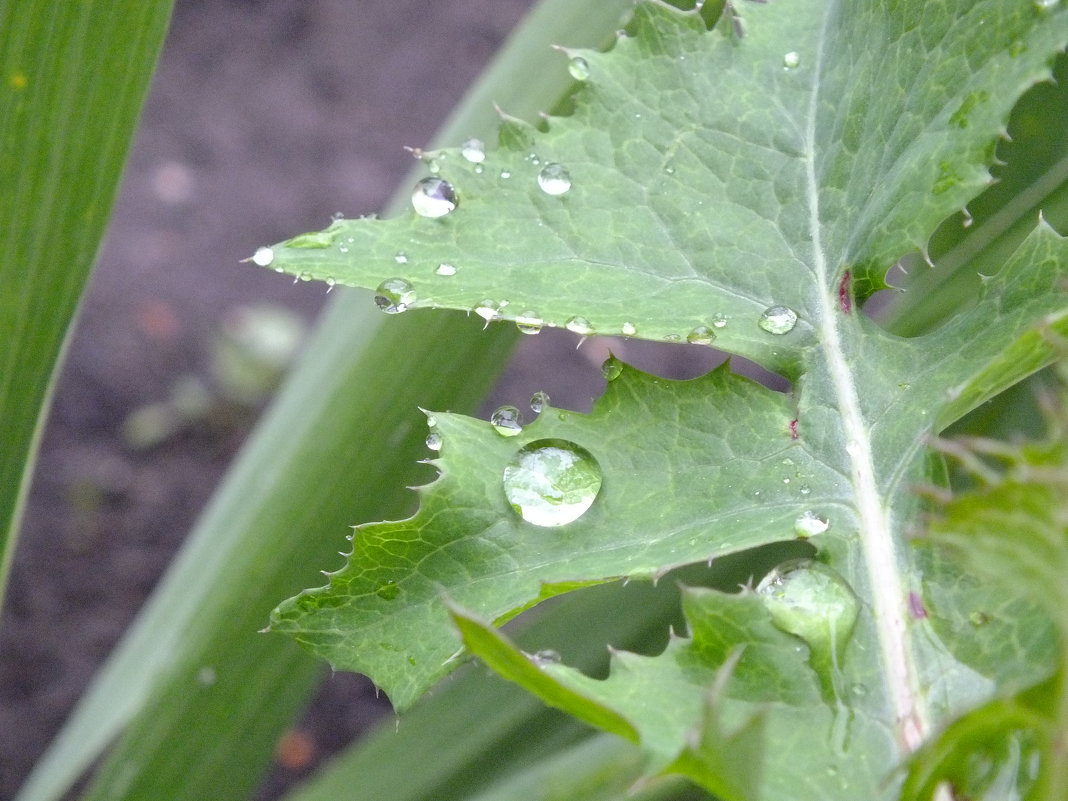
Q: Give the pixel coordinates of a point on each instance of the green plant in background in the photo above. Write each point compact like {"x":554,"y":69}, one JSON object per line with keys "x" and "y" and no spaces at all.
{"x":744,"y":182}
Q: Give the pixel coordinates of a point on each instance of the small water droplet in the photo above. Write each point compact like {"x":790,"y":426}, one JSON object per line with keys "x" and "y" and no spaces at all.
{"x":579,"y":68}
{"x":580,"y":326}
{"x":702,"y":335}
{"x":611,"y":370}
{"x":474,"y":150}
{"x":431,"y":421}
{"x":778,"y":320}
{"x":538,"y":402}
{"x":719,"y":321}
{"x":434,"y":197}
{"x":809,"y":524}
{"x":388,"y":591}
{"x":628,"y":329}
{"x":546,"y":656}
{"x":394,"y":295}
{"x":445,"y":269}
{"x":487,"y":310}
{"x":534,"y":159}
{"x":529,"y":322}
{"x":506,"y":174}
{"x":791,"y":60}
{"x":805,"y":489}
{"x":554,"y":179}
{"x":401,"y":257}
{"x":262,"y":257}
{"x":433,"y":441}
{"x":552,"y":482}
{"x":507,"y":421}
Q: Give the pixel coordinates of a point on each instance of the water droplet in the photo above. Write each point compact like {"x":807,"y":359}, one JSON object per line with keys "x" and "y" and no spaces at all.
{"x":628,"y":329}
{"x":579,"y":68}
{"x":538,"y":402}
{"x":546,"y":656}
{"x":611,"y":370}
{"x":672,"y":338}
{"x":809,"y":524}
{"x":388,"y":591}
{"x":1046,"y":5}
{"x":431,"y":421}
{"x":580,"y":326}
{"x":719,"y":321}
{"x":445,"y":269}
{"x":778,"y":320}
{"x":529,"y":322}
{"x":810,"y":600}
{"x":434,"y":197}
{"x":552,"y":482}
{"x":474,"y":150}
{"x":262,"y":257}
{"x":433,"y":441}
{"x":506,"y":174}
{"x":534,"y":159}
{"x":791,"y":60}
{"x":487,"y":310}
{"x":401,"y":257}
{"x":702,"y":335}
{"x":554,"y":179}
{"x":394,"y":295}
{"x":507,"y":421}
{"x":805,"y":489}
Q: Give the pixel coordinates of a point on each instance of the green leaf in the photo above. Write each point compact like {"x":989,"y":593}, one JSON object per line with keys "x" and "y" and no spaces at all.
{"x":72,"y":80}
{"x":1010,"y":531}
{"x":772,"y":179}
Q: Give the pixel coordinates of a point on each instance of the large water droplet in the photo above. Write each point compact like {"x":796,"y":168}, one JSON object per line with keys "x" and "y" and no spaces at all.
{"x":809,"y":524}
{"x":611,"y":370}
{"x":791,"y":60}
{"x":538,"y":402}
{"x":445,"y":269}
{"x":434,"y":197}
{"x":507,"y":421}
{"x":702,"y":335}
{"x":580,"y":326}
{"x":474,"y":150}
{"x":810,"y":600}
{"x":778,"y":320}
{"x":433,"y":441}
{"x":552,"y":482}
{"x":262,"y":257}
{"x":554,"y":179}
{"x":394,"y":295}
{"x":579,"y":68}
{"x":529,"y":322}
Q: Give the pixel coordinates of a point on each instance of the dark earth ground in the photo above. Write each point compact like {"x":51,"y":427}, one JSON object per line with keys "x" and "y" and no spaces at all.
{"x":266,"y":116}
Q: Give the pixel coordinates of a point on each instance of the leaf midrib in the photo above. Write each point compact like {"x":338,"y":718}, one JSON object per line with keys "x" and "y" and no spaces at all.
{"x":882,"y":559}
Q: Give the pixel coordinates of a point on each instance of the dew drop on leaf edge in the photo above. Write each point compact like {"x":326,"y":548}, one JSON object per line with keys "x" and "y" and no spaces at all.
{"x":394,"y":295}
{"x":778,"y":320}
{"x":809,"y":524}
{"x":702,"y":335}
{"x":554,"y":179}
{"x":434,"y":197}
{"x":611,"y":370}
{"x":262,"y":257}
{"x":433,"y":441}
{"x":580,"y":326}
{"x":473,"y":150}
{"x":507,"y":421}
{"x":552,"y":482}
{"x":579,"y":68}
{"x":528,"y":322}
{"x":538,"y":401}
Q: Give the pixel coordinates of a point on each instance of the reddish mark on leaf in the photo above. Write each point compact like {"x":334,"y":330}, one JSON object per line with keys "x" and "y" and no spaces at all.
{"x":845,"y":293}
{"x":916,"y":607}
{"x":793,"y":428}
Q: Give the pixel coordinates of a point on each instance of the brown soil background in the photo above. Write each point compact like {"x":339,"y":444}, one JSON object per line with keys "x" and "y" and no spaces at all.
{"x":265,"y":117}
